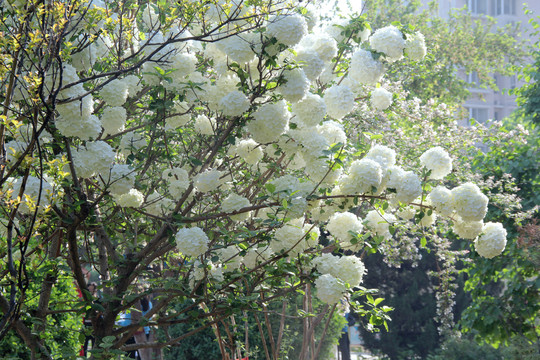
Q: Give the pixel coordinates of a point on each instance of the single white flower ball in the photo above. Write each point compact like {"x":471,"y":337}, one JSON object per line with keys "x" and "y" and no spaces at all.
{"x":287,"y":29}
{"x":492,"y":241}
{"x":208,"y":181}
{"x":234,"y":103}
{"x":469,"y":202}
{"x":442,"y":200}
{"x":134,"y":198}
{"x":415,"y":46}
{"x":235,"y":202}
{"x":329,"y":289}
{"x":192,"y":241}
{"x":341,"y":224}
{"x":438,"y":161}
{"x":339,"y":100}
{"x":389,"y":41}
{"x":270,"y":121}
{"x":468,"y":229}
{"x":381,"y":99}
{"x":364,"y":68}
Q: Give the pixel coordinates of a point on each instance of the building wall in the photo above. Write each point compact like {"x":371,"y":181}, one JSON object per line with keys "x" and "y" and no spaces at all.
{"x":484,"y":104}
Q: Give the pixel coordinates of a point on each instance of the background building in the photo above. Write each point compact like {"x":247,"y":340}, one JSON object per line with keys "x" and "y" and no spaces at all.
{"x":484,"y":104}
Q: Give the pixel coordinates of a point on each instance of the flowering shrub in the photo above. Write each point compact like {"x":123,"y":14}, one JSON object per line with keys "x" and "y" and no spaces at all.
{"x":213,"y":141}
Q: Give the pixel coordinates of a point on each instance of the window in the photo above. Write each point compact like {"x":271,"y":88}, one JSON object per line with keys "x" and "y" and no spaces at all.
{"x":503,"y":7}
{"x":513,"y":81}
{"x":478,"y":6}
{"x":478,"y":114}
{"x":473,"y":79}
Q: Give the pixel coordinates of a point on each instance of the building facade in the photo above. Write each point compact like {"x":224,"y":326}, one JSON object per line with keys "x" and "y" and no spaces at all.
{"x":486,"y":104}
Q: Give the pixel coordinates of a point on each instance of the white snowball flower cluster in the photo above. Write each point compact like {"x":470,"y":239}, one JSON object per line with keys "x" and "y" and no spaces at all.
{"x":380,"y":223}
{"x":407,"y":212}
{"x":311,"y":63}
{"x":296,"y":85}
{"x":270,"y":121}
{"x":238,"y":48}
{"x":286,"y":183}
{"x":442,"y":200}
{"x":287,"y":29}
{"x":409,"y":187}
{"x":234,"y":103}
{"x":132,"y":143}
{"x":333,"y":132}
{"x":389,"y":41}
{"x":178,"y":180}
{"x":204,"y":125}
{"x":383,"y":155}
{"x":150,"y":19}
{"x":295,"y":237}
{"x":133,"y":84}
{"x":364,"y":175}
{"x":29,"y":198}
{"x":192,"y":241}
{"x":208,"y":181}
{"x":256,"y":256}
{"x":121,"y":179}
{"x":96,"y":158}
{"x":339,"y":100}
{"x":429,"y":217}
{"x":469,"y":202}
{"x":115,"y":93}
{"x":86,"y":57}
{"x":438,"y":161}
{"x":492,"y":241}
{"x":324,"y":45}
{"x":468,"y":229}
{"x":381,"y":99}
{"x":329,"y":289}
{"x":341,"y":224}
{"x":113,"y":120}
{"x":134,"y":198}
{"x":235,"y":202}
{"x":415,"y":46}
{"x":213,"y":94}
{"x":364,"y":68}
{"x":229,"y":256}
{"x":158,"y":205}
{"x":336,"y":31}
{"x":393,"y":176}
{"x":184,"y":65}
{"x":249,"y":151}
{"x":311,"y":110}
{"x":312,"y":142}
{"x":149,"y":74}
{"x":349,"y":269}
{"x":181,"y":119}
{"x":83,"y":128}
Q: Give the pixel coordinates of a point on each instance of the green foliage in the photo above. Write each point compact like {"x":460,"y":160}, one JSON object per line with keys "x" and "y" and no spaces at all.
{"x":465,"y":349}
{"x":529,"y":94}
{"x":63,"y":328}
{"x":457,"y":42}
{"x":506,"y":290}
{"x":410,"y":290}
{"x":204,"y":345}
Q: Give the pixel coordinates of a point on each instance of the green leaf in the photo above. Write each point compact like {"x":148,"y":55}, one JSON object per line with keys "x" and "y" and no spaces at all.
{"x":270,"y":187}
